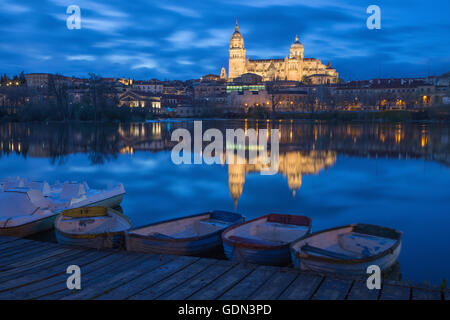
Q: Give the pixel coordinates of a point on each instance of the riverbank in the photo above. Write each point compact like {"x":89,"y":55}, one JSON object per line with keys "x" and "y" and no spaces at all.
{"x":439,"y":114}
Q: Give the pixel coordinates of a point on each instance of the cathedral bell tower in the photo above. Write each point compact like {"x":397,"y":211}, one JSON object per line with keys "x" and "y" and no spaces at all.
{"x":237,"y":55}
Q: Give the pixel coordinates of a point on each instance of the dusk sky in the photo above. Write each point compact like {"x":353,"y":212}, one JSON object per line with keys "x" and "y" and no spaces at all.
{"x":187,"y":39}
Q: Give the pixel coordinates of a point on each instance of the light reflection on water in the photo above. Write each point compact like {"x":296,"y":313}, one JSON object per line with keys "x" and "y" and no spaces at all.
{"x":396,"y":175}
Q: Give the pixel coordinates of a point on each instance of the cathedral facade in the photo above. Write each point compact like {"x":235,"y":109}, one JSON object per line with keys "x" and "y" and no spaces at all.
{"x":295,"y":67}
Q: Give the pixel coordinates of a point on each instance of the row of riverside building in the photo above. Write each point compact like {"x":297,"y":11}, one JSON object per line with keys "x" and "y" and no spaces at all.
{"x":213,"y":95}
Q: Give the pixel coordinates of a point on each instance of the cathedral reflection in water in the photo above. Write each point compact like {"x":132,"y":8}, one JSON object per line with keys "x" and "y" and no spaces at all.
{"x":306,"y":148}
{"x":293,"y":165}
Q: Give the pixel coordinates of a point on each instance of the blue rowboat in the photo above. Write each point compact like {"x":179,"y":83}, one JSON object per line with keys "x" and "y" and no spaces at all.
{"x":347,"y":250}
{"x":265,"y":240}
{"x":195,"y":235}
{"x":95,"y":227}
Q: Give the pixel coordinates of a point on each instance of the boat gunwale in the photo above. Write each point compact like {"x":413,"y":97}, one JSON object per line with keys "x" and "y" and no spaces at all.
{"x":131,"y":234}
{"x":299,"y":255}
{"x":241,"y":244}
{"x":92,"y":235}
{"x":26,"y":224}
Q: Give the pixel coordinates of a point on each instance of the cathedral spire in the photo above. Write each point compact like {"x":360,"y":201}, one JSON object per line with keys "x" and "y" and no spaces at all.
{"x":296,"y":39}
{"x":237,"y":26}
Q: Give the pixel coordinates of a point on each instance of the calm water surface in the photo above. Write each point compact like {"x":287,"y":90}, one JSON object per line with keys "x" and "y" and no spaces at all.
{"x":395,"y":175}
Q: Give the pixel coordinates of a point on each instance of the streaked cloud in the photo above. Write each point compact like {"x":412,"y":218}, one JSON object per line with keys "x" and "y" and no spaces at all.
{"x":11,"y":7}
{"x":184,"y":11}
{"x":171,"y":39}
{"x":81,"y":58}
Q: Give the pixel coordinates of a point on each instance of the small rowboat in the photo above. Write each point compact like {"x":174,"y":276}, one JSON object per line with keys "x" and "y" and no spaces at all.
{"x":347,"y":250}
{"x":196,"y":235}
{"x":95,"y":227}
{"x":265,"y":240}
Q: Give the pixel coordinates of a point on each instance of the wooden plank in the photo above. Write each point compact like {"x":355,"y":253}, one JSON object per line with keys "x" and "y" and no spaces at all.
{"x":18,"y":246}
{"x":176,"y":279}
{"x":275,"y":286}
{"x":26,"y":250}
{"x":447,"y":294}
{"x":5,"y":239}
{"x":424,"y":294}
{"x":148,"y":279}
{"x":14,"y":244}
{"x":43,"y":265}
{"x":58,"y":282}
{"x":31,"y":259}
{"x":117,"y":279}
{"x":302,"y":288}
{"x":20,"y":257}
{"x":222,"y":284}
{"x":125,"y":262}
{"x":392,"y":292}
{"x":45,"y":270}
{"x":333,"y":289}
{"x":188,"y":288}
{"x":35,"y":289}
{"x":39,"y":265}
{"x":249,"y":284}
{"x":359,"y":291}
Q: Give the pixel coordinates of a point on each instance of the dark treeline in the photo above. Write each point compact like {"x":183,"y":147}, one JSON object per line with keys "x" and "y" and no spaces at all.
{"x":58,"y":102}
{"x":16,"y":80}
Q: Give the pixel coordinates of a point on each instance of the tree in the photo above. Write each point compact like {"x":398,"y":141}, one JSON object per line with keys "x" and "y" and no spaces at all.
{"x":59,"y":90}
{"x":274,"y":94}
{"x":22,"y":79}
{"x":4,"y":80}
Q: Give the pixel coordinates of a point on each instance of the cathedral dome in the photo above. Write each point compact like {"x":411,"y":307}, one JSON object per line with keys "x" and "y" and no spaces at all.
{"x":237,"y":36}
{"x":297,"y":50}
{"x":297,"y":43}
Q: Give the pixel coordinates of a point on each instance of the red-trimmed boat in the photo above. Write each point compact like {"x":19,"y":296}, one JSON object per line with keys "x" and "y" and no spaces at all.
{"x":265,"y":240}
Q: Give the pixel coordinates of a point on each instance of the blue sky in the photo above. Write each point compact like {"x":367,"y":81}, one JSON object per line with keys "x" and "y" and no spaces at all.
{"x":187,"y":39}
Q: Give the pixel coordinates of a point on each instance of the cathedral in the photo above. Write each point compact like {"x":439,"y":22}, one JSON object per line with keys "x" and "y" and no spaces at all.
{"x":295,"y":67}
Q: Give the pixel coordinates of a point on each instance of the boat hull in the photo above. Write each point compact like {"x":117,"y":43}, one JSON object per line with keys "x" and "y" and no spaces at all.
{"x":183,"y":248}
{"x":30,"y":228}
{"x":258,"y":251}
{"x":112,"y":202}
{"x":115,"y":241}
{"x":47,"y":223}
{"x":273,"y":257}
{"x":202,"y":245}
{"x":110,"y":237}
{"x":354,"y":266}
{"x":351,"y":268}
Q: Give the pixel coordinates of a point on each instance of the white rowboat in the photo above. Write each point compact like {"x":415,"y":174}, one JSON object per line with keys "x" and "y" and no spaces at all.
{"x":95,"y":227}
{"x":347,"y":250}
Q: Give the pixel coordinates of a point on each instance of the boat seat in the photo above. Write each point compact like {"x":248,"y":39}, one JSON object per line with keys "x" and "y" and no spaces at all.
{"x":278,"y":232}
{"x":253,"y":241}
{"x":364,"y":244}
{"x":307,"y":248}
{"x":160,"y":236}
{"x":72,"y":191}
{"x":202,"y":227}
{"x":219,"y":223}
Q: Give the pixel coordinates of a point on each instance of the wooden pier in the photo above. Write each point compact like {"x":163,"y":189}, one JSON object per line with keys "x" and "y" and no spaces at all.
{"x":37,"y":270}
